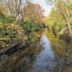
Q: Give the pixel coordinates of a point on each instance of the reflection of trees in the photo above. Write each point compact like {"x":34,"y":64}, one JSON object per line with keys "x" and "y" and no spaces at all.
{"x":63,"y":65}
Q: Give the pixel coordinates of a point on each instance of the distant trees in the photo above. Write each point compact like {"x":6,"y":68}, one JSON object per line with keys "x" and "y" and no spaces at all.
{"x":60,"y":19}
{"x":34,"y":12}
{"x":10,"y":11}
{"x":33,"y":18}
{"x":21,"y":21}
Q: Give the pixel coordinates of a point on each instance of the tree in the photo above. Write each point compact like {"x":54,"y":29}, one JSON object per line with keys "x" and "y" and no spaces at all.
{"x":60,"y":22}
{"x":55,"y":22}
{"x":33,"y":19}
{"x":33,"y":12}
{"x":63,"y":12}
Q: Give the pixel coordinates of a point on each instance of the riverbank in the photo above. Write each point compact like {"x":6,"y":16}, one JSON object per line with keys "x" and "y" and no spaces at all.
{"x":14,"y":61}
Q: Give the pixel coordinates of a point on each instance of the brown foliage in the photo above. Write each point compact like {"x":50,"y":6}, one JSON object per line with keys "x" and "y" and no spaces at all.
{"x":34,"y":12}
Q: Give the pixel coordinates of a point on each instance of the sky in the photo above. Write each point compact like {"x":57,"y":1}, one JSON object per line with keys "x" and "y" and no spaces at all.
{"x":44,"y":5}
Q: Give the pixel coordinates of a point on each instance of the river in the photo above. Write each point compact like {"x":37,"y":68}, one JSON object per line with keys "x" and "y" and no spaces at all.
{"x":45,"y":60}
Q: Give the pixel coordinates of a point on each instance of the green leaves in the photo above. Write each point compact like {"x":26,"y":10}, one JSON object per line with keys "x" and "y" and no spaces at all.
{"x":6,"y":19}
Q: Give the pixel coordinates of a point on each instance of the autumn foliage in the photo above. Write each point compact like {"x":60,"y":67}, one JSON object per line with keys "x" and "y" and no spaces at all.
{"x":34,"y":12}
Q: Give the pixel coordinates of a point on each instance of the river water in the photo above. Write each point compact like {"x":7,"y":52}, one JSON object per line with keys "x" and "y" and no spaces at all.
{"x":45,"y":60}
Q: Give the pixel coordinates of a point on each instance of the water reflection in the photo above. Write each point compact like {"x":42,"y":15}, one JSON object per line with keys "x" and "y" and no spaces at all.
{"x":46,"y":59}
{"x":42,"y":62}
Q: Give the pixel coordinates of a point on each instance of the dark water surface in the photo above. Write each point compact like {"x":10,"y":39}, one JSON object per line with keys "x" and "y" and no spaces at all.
{"x":45,"y":60}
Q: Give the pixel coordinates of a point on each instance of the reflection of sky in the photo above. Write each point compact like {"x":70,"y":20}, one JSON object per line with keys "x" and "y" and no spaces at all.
{"x":44,"y":5}
{"x":45,"y":59}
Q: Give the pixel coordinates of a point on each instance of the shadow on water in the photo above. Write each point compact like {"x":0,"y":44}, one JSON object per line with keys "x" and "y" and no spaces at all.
{"x":45,"y":60}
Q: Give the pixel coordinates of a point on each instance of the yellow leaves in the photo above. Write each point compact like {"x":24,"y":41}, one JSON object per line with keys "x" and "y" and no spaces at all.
{"x":49,"y":21}
{"x":18,"y":29}
{"x":26,"y":18}
{"x":1,"y":25}
{"x":36,"y":34}
{"x":4,"y":9}
{"x":15,"y":27}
